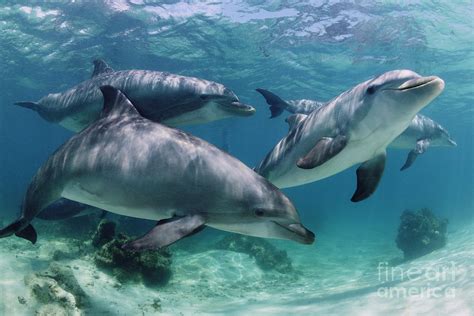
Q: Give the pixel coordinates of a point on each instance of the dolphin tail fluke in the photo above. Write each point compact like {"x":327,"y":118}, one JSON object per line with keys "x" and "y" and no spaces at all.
{"x":29,"y":105}
{"x":277,"y":104}
{"x":275,"y":111}
{"x":19,"y":229}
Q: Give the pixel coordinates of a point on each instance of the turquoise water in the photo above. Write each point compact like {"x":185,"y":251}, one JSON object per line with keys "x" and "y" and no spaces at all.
{"x":311,"y":49}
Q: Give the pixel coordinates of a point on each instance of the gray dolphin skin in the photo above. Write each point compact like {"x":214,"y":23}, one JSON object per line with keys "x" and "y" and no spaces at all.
{"x":355,"y":127}
{"x":421,"y":133}
{"x":129,"y":165}
{"x":163,"y":97}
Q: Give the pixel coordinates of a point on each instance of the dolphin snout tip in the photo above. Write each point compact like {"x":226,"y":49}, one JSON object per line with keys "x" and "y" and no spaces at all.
{"x":244,"y":109}
{"x":436,"y":82}
{"x":452,"y":142}
{"x":439,"y":82}
{"x":306,"y":236}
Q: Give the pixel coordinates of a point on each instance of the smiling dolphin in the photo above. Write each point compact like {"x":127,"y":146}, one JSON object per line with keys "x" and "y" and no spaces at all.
{"x":159,"y":96}
{"x":129,"y":165}
{"x":418,"y":136}
{"x":355,"y":127}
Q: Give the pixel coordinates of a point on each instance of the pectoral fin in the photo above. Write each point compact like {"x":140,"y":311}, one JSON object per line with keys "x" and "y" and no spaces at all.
{"x":325,"y":149}
{"x":368,"y":177}
{"x":63,"y":209}
{"x":420,"y":147}
{"x":167,"y":232}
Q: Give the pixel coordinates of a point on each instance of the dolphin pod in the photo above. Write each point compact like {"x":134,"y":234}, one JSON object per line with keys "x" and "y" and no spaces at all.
{"x":162,"y":97}
{"x":355,"y":127}
{"x":179,"y":180}
{"x":127,"y":158}
{"x":418,"y":136}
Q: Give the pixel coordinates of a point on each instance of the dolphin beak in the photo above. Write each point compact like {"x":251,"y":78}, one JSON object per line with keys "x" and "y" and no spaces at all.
{"x":299,"y":233}
{"x":452,"y":142}
{"x":420,"y":82}
{"x":241,"y":108}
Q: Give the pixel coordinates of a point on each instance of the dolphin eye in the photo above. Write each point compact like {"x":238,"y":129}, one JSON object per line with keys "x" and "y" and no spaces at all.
{"x":371,"y":90}
{"x":259,"y":212}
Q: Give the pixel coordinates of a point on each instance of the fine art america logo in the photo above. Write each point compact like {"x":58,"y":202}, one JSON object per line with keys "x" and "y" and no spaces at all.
{"x":434,"y":281}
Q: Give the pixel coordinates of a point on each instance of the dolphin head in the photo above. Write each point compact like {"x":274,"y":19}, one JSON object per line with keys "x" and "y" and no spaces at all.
{"x":277,"y":217}
{"x":391,"y":100}
{"x":266,"y":212}
{"x":227,"y":104}
{"x":402,"y":91}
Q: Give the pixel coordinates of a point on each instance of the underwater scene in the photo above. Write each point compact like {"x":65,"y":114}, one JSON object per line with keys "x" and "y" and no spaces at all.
{"x":237,"y":157}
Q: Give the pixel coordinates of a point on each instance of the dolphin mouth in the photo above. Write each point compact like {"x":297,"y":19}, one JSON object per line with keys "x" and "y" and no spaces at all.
{"x":452,"y":142}
{"x":418,"y":83}
{"x":240,"y":108}
{"x":299,"y":233}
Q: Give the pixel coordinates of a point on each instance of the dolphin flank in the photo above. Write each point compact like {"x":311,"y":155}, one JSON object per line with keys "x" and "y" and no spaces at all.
{"x":355,"y":127}
{"x":170,"y":99}
{"x":126,"y":164}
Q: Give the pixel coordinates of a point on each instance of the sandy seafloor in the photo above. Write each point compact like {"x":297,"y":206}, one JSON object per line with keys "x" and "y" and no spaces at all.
{"x":344,"y":273}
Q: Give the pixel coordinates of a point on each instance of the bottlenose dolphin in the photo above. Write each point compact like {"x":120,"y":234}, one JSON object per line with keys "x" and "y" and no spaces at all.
{"x":418,"y":136}
{"x":355,"y":127}
{"x":158,"y":96}
{"x":129,"y":165}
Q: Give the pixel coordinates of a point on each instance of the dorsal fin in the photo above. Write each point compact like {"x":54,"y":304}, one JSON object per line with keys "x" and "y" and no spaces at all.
{"x":116,"y":103}
{"x":294,"y":120}
{"x":100,"y":67}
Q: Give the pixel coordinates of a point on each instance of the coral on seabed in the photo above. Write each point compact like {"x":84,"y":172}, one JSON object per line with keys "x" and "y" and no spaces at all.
{"x":152,"y":267}
{"x":57,"y":290}
{"x":420,"y":232}
{"x":105,"y":232}
{"x":267,"y":256}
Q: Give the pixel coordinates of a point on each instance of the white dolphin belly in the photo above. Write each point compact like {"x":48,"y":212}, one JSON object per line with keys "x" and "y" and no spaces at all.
{"x":112,"y":200}
{"x":355,"y":152}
